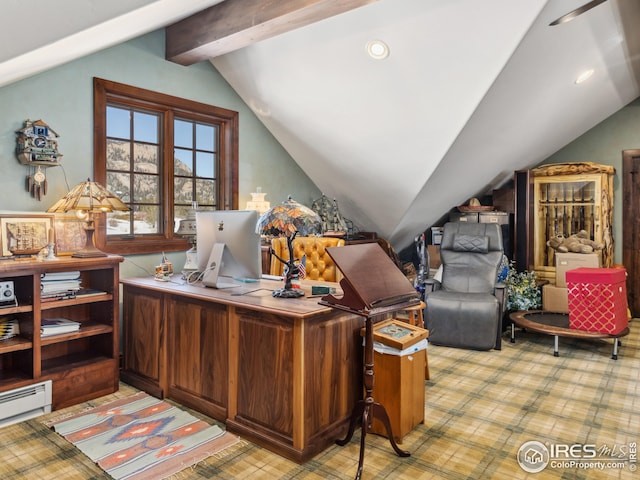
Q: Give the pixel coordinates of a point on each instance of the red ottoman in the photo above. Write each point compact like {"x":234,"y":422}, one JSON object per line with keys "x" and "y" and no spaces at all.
{"x":597,"y":299}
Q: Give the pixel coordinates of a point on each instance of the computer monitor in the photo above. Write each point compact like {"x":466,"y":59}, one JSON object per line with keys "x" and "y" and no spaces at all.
{"x":240,"y":259}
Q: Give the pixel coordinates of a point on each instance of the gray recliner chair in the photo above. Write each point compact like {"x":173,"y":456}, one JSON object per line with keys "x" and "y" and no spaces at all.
{"x":465,"y":309}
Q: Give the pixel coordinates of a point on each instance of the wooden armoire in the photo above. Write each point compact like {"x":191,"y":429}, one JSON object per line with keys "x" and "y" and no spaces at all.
{"x":561,"y":199}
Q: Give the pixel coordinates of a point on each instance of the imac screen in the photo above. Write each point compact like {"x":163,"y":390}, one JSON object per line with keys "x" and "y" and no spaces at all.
{"x":236,"y":229}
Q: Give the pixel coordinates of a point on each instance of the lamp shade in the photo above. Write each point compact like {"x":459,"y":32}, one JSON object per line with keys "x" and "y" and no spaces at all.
{"x":89,"y":197}
{"x":289,"y":217}
{"x":187,"y":226}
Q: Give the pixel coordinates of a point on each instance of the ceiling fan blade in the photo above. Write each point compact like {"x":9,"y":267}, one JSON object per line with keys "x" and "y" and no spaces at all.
{"x":578,"y":11}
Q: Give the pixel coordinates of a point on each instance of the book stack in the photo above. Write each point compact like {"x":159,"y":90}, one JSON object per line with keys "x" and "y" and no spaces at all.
{"x":59,"y":285}
{"x":56,"y":326}
{"x":9,"y":328}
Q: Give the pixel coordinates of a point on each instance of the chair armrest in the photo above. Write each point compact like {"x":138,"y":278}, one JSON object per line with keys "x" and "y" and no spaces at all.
{"x":431,"y":285}
{"x":500,"y":291}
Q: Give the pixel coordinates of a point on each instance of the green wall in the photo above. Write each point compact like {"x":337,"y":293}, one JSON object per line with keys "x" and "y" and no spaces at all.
{"x":604,"y":144}
{"x":63,"y":98}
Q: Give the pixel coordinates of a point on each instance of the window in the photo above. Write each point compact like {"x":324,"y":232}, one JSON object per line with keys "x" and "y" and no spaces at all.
{"x":160,"y":154}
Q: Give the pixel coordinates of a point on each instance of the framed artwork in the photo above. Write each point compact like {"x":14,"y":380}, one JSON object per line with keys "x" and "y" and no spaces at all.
{"x":70,"y":234}
{"x":398,"y":334}
{"x":25,"y":233}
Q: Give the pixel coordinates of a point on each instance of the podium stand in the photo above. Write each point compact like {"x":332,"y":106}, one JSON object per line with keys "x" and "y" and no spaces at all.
{"x":373,"y":286}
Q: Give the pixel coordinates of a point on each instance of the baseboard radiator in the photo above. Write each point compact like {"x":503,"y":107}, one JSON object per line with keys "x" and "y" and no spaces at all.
{"x":25,"y":403}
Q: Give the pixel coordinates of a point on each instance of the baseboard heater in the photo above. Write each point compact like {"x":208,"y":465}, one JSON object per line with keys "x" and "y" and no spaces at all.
{"x":25,"y":403}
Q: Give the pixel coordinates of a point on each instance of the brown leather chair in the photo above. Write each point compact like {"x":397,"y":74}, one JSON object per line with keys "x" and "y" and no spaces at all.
{"x":319,"y":266}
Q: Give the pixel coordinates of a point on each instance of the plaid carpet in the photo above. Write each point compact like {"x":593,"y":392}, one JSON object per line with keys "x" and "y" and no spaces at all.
{"x":481,"y":407}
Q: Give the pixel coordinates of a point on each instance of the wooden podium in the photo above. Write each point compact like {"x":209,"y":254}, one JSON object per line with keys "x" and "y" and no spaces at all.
{"x":373,"y":286}
{"x":400,"y":378}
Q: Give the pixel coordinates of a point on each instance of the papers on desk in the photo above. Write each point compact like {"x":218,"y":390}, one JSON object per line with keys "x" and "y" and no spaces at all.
{"x":266,"y":276}
{"x":56,"y":326}
{"x":60,"y":286}
{"x":53,"y":276}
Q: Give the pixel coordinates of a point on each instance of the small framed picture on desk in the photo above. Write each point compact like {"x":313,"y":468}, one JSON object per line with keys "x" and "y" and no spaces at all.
{"x":70,"y":234}
{"x":398,"y":334}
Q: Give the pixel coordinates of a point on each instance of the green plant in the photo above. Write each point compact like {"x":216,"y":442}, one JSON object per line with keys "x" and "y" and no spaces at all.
{"x":523,"y":291}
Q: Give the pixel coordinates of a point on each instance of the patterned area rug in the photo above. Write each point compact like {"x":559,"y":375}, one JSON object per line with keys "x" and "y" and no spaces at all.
{"x":143,"y":438}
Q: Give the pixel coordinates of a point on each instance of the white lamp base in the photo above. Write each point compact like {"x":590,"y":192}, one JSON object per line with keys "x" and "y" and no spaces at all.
{"x":191,"y":262}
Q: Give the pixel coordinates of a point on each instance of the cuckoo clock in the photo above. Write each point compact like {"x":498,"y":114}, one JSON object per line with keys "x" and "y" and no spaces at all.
{"x":37,"y":149}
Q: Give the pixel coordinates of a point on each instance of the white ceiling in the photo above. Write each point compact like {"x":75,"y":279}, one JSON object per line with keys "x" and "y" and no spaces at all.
{"x":42,"y":34}
{"x":470,"y":92}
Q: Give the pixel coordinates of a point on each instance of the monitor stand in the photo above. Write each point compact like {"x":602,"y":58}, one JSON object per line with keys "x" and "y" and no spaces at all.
{"x":211,"y":276}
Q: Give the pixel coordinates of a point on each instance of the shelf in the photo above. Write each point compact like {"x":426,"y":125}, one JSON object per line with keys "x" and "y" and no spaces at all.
{"x":14,"y":379}
{"x":15,"y":344}
{"x":566,"y":204}
{"x":88,"y":329}
{"x":71,"y":362}
{"x":80,"y":300}
{"x":19,"y":309}
{"x":82,"y":364}
{"x":42,"y":163}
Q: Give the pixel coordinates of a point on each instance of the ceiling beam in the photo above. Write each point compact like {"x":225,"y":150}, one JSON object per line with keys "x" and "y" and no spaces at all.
{"x":233,"y":24}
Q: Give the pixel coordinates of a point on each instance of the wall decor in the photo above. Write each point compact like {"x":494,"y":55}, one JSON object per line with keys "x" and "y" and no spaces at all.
{"x":70,"y":234}
{"x":37,"y":148}
{"x":25,"y":234}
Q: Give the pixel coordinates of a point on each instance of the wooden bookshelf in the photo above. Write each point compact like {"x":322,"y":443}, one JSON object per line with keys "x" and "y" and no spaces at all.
{"x":81,"y":364}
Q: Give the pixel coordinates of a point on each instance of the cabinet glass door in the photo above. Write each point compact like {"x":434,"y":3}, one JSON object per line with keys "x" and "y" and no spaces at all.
{"x":564,"y":207}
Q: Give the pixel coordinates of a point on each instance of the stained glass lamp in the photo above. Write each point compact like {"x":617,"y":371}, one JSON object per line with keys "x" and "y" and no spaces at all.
{"x":290,"y":218}
{"x":88,"y":198}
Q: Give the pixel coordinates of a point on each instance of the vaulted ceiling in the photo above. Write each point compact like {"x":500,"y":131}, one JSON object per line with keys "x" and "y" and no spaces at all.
{"x":469,"y":92}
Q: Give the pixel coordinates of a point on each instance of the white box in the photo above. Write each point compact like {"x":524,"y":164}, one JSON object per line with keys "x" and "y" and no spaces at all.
{"x":436,"y":235}
{"x":571,"y":261}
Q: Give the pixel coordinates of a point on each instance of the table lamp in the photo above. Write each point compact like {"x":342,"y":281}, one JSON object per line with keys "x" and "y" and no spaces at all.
{"x":258,"y":202}
{"x":88,"y":198}
{"x":290,"y":218}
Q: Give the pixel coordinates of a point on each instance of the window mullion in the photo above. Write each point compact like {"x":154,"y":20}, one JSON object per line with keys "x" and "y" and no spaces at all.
{"x":132,"y":193}
{"x":167,"y":173}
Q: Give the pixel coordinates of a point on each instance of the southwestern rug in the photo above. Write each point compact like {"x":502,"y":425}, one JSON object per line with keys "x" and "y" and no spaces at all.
{"x":143,"y":438}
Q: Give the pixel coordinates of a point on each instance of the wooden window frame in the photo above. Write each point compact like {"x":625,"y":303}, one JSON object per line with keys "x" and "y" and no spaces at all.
{"x":106,"y":91}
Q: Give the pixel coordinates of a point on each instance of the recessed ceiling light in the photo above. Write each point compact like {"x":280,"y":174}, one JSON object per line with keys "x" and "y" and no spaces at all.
{"x":584,"y":76}
{"x":377,"y":49}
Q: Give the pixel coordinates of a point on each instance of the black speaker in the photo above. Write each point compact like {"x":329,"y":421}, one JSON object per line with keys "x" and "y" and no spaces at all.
{"x":521,"y":231}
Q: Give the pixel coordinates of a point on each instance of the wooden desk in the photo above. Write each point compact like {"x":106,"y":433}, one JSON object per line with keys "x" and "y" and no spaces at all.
{"x":283,"y":373}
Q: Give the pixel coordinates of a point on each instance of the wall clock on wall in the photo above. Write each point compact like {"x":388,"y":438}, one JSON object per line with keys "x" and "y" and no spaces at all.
{"x":37,"y":148}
